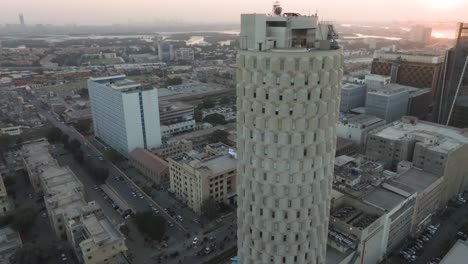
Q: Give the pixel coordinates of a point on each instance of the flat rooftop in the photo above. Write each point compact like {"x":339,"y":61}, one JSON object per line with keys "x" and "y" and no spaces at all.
{"x":101,"y":230}
{"x":457,"y":254}
{"x":417,"y":179}
{"x":392,"y":89}
{"x":449,"y":138}
{"x":383,"y":198}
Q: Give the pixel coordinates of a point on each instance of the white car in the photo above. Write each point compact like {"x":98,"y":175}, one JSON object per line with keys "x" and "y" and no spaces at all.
{"x":195,"y":241}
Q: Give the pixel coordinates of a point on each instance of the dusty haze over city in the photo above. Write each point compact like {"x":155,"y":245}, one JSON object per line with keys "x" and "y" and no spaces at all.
{"x":104,"y":12}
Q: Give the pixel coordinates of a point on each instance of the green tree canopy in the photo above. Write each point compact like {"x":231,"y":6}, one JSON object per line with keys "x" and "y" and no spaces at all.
{"x":210,"y":209}
{"x":215,"y":119}
{"x":23,"y":219}
{"x":54,"y":135}
{"x":174,"y":81}
{"x":219,"y":136}
{"x":154,"y":226}
{"x":100,"y":175}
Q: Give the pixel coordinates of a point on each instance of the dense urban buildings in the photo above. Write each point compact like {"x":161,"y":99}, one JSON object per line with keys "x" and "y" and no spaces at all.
{"x":416,"y":70}
{"x":125,"y":114}
{"x":289,"y":71}
{"x":431,"y":147}
{"x":93,"y":237}
{"x":453,"y":95}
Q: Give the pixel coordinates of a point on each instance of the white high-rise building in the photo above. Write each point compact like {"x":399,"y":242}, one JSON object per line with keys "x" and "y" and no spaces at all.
{"x":125,"y":114}
{"x":289,"y":71}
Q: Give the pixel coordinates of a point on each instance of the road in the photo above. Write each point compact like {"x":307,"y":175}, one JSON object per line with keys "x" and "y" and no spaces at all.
{"x":179,"y":241}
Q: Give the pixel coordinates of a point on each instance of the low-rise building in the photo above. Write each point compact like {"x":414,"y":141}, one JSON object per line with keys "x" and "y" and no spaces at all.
{"x":198,"y":176}
{"x":428,"y":188}
{"x":352,"y":96}
{"x":431,"y":147}
{"x":6,"y":204}
{"x":357,"y":127}
{"x":457,"y":254}
{"x":151,"y":166}
{"x":172,"y":149}
{"x":71,"y":217}
{"x":10,"y":241}
{"x":97,"y":240}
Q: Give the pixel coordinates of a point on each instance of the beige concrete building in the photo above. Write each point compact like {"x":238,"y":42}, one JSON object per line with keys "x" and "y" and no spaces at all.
{"x":289,"y":71}
{"x":92,"y":235}
{"x":172,"y":149}
{"x":10,"y":241}
{"x":97,"y":240}
{"x":198,"y":176}
{"x":151,"y":166}
{"x":6,"y":204}
{"x":434,"y":148}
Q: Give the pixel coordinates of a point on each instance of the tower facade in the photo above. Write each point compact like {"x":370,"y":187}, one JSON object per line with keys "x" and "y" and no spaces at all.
{"x":289,"y":71}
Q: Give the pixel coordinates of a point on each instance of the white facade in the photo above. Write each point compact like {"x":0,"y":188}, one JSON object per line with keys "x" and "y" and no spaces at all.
{"x":184,"y":54}
{"x":288,"y":89}
{"x":356,"y":128}
{"x":177,"y":128}
{"x":125,"y":115}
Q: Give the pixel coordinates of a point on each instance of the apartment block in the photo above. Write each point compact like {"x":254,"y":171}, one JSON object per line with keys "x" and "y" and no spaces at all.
{"x":431,"y":147}
{"x":356,"y":127}
{"x":198,"y":176}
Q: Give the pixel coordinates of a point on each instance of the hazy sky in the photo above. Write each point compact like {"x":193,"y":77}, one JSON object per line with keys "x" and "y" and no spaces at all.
{"x":120,"y":11}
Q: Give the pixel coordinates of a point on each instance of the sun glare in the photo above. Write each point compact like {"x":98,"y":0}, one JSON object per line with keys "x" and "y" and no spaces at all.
{"x":445,"y":4}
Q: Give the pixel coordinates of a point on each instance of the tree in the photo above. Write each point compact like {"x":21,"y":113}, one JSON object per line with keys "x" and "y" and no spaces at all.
{"x":54,"y":135}
{"x":78,"y":155}
{"x":64,"y":138}
{"x":174,"y":81}
{"x":100,"y":175}
{"x":198,"y":114}
{"x":219,"y":136}
{"x":83,"y":92}
{"x":23,"y":219}
{"x":154,"y":226}
{"x":225,"y":100}
{"x":83,"y":126}
{"x":210,"y":209}
{"x":75,"y":145}
{"x":5,"y":141}
{"x":113,"y":156}
{"x":216,"y":119}
{"x":208,"y":103}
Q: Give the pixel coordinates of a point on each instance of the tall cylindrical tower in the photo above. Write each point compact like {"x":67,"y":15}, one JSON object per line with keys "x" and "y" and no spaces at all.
{"x":287,"y":102}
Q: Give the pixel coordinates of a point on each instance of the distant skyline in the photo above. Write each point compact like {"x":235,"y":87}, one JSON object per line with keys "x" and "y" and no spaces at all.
{"x":106,"y":12}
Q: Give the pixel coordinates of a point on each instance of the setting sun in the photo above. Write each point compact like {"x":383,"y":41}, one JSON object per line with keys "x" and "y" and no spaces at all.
{"x":445,"y":4}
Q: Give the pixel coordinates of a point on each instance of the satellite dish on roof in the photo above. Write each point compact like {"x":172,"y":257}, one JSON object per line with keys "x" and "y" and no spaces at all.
{"x":277,"y":9}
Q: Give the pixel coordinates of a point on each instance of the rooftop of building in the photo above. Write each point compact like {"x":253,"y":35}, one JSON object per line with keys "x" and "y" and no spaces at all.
{"x":366,"y":120}
{"x":9,"y":240}
{"x":417,"y":179}
{"x":392,"y":89}
{"x":383,"y":198}
{"x":101,"y":231}
{"x":166,"y":106}
{"x":439,"y":138}
{"x":215,"y":158}
{"x":37,"y":153}
{"x":70,"y":210}
{"x":336,"y":257}
{"x":119,"y":83}
{"x":352,"y":86}
{"x":409,"y":56}
{"x":58,"y":179}
{"x":149,"y":160}
{"x":457,"y":254}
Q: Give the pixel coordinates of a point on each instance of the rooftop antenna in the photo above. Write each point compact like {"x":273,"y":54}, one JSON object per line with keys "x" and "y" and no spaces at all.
{"x":277,"y":10}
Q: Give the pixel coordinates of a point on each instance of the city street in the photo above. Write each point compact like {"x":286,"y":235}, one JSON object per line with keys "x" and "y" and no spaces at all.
{"x":180,"y":236}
